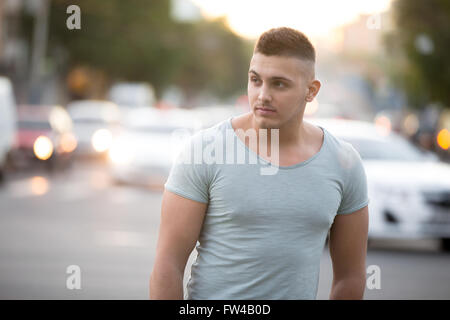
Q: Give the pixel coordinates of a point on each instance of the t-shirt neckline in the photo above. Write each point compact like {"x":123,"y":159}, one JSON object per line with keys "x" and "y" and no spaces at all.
{"x":299,"y":164}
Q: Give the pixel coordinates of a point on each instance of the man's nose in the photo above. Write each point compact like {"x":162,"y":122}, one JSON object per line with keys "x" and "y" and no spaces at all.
{"x":264,"y":94}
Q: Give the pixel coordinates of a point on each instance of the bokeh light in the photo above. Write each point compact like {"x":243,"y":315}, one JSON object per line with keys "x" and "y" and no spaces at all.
{"x":43,"y":148}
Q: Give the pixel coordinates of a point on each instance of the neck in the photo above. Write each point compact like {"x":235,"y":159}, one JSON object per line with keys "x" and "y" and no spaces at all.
{"x":291,"y":134}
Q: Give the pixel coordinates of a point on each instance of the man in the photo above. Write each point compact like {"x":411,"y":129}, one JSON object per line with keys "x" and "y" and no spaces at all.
{"x":261,"y":236}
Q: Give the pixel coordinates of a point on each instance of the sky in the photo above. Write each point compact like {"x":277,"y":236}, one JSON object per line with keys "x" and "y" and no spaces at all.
{"x":316,"y":18}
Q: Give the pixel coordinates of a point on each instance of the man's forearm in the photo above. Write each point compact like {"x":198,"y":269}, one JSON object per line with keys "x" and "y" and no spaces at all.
{"x":166,"y":283}
{"x":348,"y":289}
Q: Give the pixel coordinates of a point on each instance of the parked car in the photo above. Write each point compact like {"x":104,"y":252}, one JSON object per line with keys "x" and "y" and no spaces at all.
{"x":409,"y":189}
{"x":7,"y":122}
{"x":144,"y":151}
{"x":44,"y":135}
{"x":95,"y":123}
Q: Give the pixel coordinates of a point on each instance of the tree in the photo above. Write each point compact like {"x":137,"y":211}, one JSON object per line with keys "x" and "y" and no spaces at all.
{"x":137,"y":40}
{"x":419,"y":50}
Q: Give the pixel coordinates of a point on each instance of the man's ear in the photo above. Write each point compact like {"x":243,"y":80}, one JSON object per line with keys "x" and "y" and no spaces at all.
{"x":313,"y":90}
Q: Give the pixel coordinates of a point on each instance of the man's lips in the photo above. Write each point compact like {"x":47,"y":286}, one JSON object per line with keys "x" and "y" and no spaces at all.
{"x":265,"y":109}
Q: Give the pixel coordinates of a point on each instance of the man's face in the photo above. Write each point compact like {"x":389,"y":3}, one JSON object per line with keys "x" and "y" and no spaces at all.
{"x":280,"y":84}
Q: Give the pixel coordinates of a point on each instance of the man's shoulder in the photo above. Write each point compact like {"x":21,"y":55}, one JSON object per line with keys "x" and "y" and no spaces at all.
{"x":213,"y":130}
{"x":342,"y":151}
{"x":338,"y":144}
{"x":201,"y":138}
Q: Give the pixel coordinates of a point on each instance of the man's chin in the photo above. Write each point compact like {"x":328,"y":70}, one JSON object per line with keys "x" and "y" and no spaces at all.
{"x":265,"y":123}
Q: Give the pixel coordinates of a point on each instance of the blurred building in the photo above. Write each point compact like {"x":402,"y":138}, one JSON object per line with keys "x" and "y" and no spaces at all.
{"x":360,"y":85}
{"x":365,"y":34}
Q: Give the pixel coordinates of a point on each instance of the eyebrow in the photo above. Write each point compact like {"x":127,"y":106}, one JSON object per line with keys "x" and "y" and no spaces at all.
{"x":273,"y":78}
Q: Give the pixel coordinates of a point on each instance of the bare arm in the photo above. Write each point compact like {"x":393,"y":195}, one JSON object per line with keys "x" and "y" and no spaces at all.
{"x":181,"y":222}
{"x":348,"y":247}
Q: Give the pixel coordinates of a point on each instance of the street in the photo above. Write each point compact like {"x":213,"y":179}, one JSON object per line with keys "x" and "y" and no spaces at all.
{"x":81,"y":217}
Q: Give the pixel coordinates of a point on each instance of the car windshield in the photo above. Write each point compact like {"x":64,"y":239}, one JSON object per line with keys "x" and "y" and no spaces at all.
{"x":34,"y":125}
{"x":391,"y":150}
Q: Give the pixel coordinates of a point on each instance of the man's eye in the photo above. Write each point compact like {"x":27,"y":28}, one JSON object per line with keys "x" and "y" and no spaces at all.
{"x":279,"y":84}
{"x":253,"y":79}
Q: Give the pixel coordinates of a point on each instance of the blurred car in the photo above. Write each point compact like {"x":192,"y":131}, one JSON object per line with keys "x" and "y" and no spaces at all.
{"x":409,"y":189}
{"x":144,"y":151}
{"x":44,"y":135}
{"x":132,"y":94}
{"x":95,"y":122}
{"x":212,"y":115}
{"x":7,"y":122}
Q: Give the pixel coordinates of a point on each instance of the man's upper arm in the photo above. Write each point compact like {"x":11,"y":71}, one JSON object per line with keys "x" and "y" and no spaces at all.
{"x":354,"y":181}
{"x":181,"y":222}
{"x":348,"y":243}
{"x":183,"y":206}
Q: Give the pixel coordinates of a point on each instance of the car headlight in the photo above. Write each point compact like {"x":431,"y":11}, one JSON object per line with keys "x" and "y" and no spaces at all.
{"x":120,"y":153}
{"x":68,"y":142}
{"x":101,"y":140}
{"x":43,"y":148}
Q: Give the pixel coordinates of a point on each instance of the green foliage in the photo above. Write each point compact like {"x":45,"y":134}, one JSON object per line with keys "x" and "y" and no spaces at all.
{"x":423,"y":74}
{"x":137,"y":40}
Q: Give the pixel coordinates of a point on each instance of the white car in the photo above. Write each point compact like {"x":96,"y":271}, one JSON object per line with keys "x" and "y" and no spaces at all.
{"x":132,"y":94}
{"x":409,"y":189}
{"x":95,"y":123}
{"x":144,"y":151}
{"x":8,"y":119}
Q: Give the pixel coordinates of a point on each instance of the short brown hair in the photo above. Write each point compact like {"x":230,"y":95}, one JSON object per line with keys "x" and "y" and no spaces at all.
{"x":285,"y":42}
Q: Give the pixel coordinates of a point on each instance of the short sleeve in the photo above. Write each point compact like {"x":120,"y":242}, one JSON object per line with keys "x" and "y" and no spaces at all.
{"x":355,"y":194}
{"x":187,"y":178}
